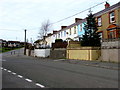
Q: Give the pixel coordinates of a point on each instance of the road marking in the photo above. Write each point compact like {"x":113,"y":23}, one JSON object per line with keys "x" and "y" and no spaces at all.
{"x":20,"y":76}
{"x":39,"y":85}
{"x":14,"y":73}
{"x":9,"y":71}
{"x":4,"y":69}
{"x":60,"y":60}
{"x":28,"y":80}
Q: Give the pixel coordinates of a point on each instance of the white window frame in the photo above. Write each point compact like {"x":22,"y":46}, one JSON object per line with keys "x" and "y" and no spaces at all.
{"x":112,"y":16}
{"x":80,"y":27}
{"x":99,"y":21}
{"x":75,"y":30}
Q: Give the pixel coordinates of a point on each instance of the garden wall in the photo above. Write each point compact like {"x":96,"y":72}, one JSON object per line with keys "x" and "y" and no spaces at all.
{"x":58,"y":53}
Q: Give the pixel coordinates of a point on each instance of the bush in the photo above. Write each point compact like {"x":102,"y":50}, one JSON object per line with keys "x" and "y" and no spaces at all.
{"x":58,"y":40}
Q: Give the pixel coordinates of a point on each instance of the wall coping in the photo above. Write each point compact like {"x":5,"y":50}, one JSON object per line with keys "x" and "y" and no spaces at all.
{"x":85,"y":48}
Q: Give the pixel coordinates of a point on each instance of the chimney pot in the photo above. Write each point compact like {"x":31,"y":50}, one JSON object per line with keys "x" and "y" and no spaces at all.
{"x":62,"y":27}
{"x":107,"y":5}
{"x":77,"y":20}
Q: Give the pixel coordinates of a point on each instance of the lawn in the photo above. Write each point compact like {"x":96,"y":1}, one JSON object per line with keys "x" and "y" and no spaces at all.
{"x":6,"y":49}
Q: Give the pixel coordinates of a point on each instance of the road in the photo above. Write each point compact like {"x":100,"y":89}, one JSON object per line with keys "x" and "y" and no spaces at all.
{"x":21,"y":71}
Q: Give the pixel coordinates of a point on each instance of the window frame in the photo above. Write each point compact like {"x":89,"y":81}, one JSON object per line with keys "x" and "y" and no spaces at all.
{"x":110,"y":17}
{"x":75,"y":32}
{"x":98,"y":21}
{"x":70,"y":31}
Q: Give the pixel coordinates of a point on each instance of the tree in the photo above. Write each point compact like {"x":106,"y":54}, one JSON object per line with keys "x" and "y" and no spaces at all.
{"x":91,"y":36}
{"x":45,"y":27}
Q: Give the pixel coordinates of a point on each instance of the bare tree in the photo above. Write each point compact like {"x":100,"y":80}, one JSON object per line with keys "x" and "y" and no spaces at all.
{"x":45,"y":27}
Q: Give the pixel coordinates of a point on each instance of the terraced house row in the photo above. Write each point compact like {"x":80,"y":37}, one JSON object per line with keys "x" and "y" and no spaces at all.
{"x":108,"y":21}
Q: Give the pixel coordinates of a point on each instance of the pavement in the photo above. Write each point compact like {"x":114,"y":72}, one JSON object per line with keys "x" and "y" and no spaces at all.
{"x":107,"y":65}
{"x":94,"y":63}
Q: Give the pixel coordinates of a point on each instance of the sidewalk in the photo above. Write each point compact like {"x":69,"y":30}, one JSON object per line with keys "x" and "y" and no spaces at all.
{"x":107,"y":65}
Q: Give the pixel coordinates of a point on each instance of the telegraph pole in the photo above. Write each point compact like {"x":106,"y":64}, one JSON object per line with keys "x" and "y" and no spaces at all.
{"x":25,"y":44}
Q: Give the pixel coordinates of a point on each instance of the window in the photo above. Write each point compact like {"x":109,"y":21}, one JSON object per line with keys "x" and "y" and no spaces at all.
{"x":64,"y":33}
{"x":80,"y":27}
{"x":111,"y":35}
{"x":61,"y":34}
{"x":74,"y":29}
{"x":112,"y":17}
{"x":101,"y":35}
{"x":70,"y":31}
{"x":99,"y":20}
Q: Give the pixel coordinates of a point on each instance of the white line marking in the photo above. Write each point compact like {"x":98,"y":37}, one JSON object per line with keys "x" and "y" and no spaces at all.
{"x":14,"y":73}
{"x":9,"y":71}
{"x":60,"y":60}
{"x":28,"y":80}
{"x":39,"y":85}
{"x":4,"y":69}
{"x":20,"y":76}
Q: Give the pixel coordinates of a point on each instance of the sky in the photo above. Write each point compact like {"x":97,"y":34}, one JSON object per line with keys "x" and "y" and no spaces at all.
{"x":18,"y":15}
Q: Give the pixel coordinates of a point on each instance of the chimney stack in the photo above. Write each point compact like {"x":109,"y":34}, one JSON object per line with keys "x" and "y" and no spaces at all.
{"x":77,"y":20}
{"x":62,"y":27}
{"x":107,"y":5}
{"x":55,"y":32}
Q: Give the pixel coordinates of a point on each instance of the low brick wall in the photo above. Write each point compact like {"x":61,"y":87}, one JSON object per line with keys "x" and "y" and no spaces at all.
{"x":58,"y":53}
{"x":84,"y":53}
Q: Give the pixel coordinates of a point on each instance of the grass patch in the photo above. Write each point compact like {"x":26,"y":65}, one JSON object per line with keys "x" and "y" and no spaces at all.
{"x":6,"y":49}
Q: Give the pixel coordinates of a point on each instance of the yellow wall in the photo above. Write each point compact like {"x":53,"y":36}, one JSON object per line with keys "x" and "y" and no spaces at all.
{"x":83,"y":53}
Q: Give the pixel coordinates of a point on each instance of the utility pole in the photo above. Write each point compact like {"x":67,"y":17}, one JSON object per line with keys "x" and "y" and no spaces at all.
{"x":25,"y":44}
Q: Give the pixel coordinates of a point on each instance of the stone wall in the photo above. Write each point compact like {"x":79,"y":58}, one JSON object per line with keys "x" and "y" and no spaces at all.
{"x":110,"y":51}
{"x":58,"y":53}
{"x":110,"y":55}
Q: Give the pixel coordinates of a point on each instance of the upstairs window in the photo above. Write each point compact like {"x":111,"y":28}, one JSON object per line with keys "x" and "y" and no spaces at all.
{"x":99,"y":21}
{"x":70,"y":31}
{"x":64,"y":33}
{"x":80,"y":27}
{"x":112,"y":17}
{"x":61,"y":33}
{"x":74,"y":29}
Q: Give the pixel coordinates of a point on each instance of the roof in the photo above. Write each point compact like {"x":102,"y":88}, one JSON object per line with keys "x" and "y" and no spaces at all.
{"x":72,"y":25}
{"x":13,"y":42}
{"x":113,"y":7}
{"x":113,"y":26}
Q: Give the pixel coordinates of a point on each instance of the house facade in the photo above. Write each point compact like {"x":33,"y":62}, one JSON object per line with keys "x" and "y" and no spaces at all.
{"x":13,"y":44}
{"x":73,"y":31}
{"x":3,"y":43}
{"x":108,"y":21}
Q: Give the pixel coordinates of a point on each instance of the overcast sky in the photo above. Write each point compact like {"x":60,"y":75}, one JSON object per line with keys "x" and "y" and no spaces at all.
{"x":17,"y":15}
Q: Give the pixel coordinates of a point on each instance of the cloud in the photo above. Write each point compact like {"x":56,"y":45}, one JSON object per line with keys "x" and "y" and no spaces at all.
{"x":20,"y":14}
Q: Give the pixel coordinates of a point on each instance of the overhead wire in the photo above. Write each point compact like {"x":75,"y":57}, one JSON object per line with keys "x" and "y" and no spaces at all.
{"x":68,"y":16}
